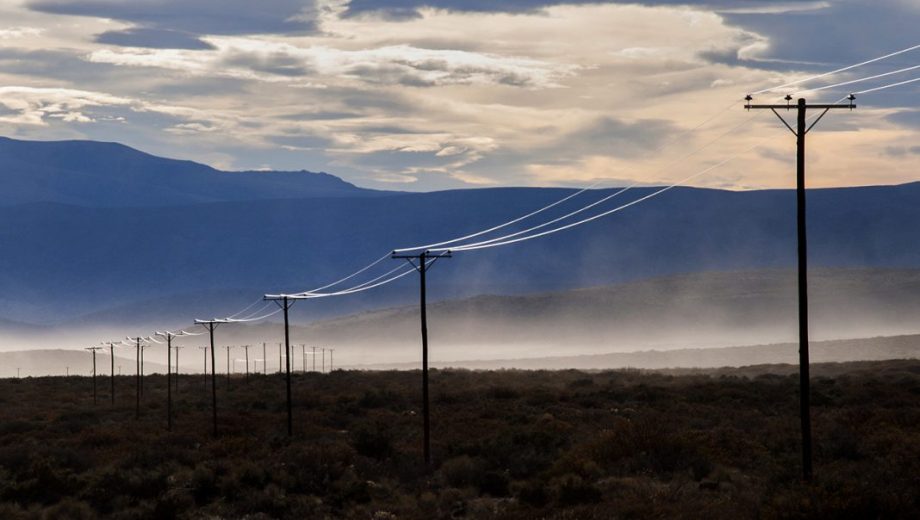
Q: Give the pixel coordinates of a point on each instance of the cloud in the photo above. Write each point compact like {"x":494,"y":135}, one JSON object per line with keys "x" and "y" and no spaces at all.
{"x":193,"y":17}
{"x":153,"y":38}
{"x":408,"y":9}
{"x":12,"y":33}
{"x":34,"y":106}
{"x":391,"y":65}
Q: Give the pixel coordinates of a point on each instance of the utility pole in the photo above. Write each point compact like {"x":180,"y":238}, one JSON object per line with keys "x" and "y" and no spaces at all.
{"x":800,"y":132}
{"x":93,"y":349}
{"x":112,"y":373}
{"x":169,"y":337}
{"x":137,"y":383}
{"x":280,"y":367}
{"x":314,"y":358}
{"x":246,"y":349}
{"x":322,"y":351}
{"x":211,"y":325}
{"x":177,"y":348}
{"x":228,"y":366}
{"x":331,"y":369}
{"x":303,"y":357}
{"x":205,"y":372}
{"x":284,"y":301}
{"x":264,"y":360}
{"x":425,"y":261}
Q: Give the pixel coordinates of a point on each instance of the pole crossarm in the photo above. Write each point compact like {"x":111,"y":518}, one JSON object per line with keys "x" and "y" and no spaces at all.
{"x":425,"y":259}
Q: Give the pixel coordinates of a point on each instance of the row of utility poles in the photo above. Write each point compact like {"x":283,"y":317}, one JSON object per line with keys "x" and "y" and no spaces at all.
{"x":140,"y":344}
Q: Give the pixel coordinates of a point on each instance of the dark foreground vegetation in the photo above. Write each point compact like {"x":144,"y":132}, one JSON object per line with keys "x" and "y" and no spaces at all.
{"x":516,"y":445}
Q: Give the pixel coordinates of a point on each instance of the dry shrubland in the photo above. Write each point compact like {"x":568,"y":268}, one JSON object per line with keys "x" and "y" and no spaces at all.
{"x":506,"y":444}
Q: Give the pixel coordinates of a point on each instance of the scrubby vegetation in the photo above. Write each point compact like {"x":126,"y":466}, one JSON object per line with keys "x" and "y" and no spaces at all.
{"x":515,"y":445}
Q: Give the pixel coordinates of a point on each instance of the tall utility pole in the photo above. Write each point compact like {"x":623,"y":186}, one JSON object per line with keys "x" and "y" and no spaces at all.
{"x":801,"y":130}
{"x":322,"y":352}
{"x":314,"y":358}
{"x":93,"y":349}
{"x":331,"y":368}
{"x":284,"y":301}
{"x":425,"y":260}
{"x":264,"y":360}
{"x":211,"y":325}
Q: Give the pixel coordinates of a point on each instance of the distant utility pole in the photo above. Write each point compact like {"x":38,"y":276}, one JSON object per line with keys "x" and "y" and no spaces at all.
{"x":137,"y":383}
{"x":280,"y":366}
{"x":331,"y":369}
{"x":314,"y":358}
{"x":177,"y":368}
{"x":285,"y":302}
{"x":169,"y":337}
{"x":205,"y":372}
{"x":17,"y":372}
{"x":425,"y":260}
{"x":246,"y":349}
{"x":322,"y":351}
{"x":67,"y":371}
{"x":303,"y":357}
{"x":228,"y":366}
{"x":800,"y":132}
{"x":112,"y":375}
{"x":211,"y":325}
{"x":93,"y":350}
{"x":264,"y":360}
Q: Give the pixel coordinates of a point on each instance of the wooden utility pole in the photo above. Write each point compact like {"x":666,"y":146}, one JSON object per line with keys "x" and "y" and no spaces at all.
{"x":137,"y":383}
{"x":801,"y":130}
{"x":424,"y":262}
{"x":169,"y":337}
{"x":285,"y":302}
{"x":246,"y":349}
{"x":93,"y":350}
{"x":211,"y":325}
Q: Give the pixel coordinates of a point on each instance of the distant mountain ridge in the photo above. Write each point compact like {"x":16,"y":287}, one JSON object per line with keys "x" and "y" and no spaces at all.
{"x":98,"y":235}
{"x":96,"y":174}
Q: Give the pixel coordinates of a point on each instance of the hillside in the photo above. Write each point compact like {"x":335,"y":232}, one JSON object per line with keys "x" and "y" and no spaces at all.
{"x":204,"y":243}
{"x":95,"y":174}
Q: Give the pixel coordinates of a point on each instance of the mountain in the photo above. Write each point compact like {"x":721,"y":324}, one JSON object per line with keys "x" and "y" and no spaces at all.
{"x":97,"y":236}
{"x":96,"y":174}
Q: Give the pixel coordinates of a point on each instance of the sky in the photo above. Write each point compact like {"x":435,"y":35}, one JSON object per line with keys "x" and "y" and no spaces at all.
{"x":423,"y":95}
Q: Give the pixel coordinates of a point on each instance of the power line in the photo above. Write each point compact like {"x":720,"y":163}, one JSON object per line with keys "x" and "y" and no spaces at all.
{"x":837,"y":71}
{"x":860,"y":80}
{"x":883,"y":87}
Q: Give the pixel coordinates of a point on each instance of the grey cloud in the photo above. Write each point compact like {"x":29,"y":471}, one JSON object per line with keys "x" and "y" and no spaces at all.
{"x":408,"y":9}
{"x":609,"y":136}
{"x":280,"y":64}
{"x":842,"y":32}
{"x":154,"y":39}
{"x":195,"y":17}
{"x":901,"y":151}
{"x":906,"y":118}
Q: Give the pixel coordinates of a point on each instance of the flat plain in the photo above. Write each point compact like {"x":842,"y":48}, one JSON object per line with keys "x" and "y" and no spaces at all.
{"x":506,"y":444}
